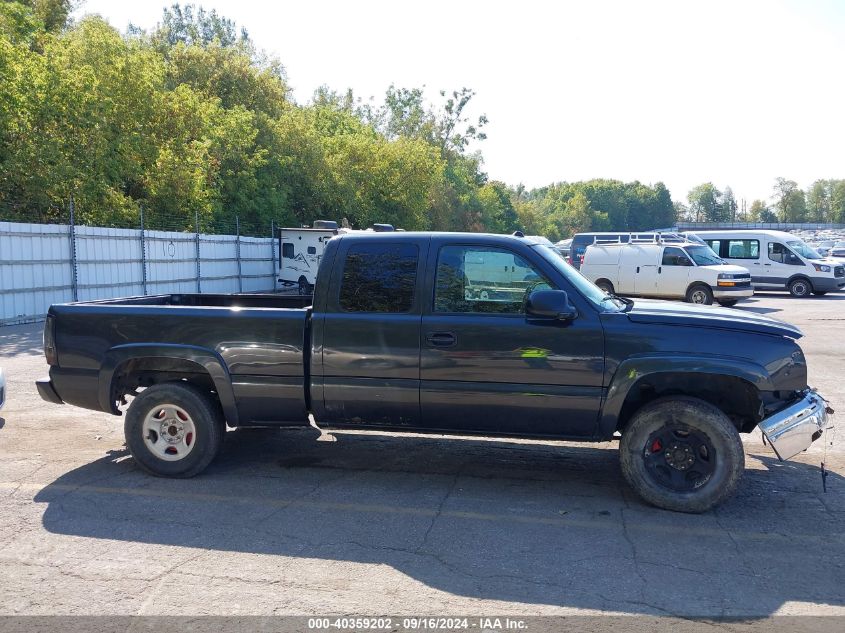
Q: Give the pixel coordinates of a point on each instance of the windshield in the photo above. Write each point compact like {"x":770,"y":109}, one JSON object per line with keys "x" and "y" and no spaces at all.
{"x":591,"y":292}
{"x":805,"y":251}
{"x":703,"y":255}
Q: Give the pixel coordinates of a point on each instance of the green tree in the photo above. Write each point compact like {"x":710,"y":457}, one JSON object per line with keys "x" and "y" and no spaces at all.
{"x":789,"y":201}
{"x":704,"y":203}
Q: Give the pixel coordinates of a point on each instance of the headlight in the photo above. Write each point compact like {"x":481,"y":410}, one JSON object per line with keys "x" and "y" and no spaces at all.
{"x":821,"y":268}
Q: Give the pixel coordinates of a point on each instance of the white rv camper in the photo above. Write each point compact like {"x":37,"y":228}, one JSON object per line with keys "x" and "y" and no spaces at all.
{"x":300,"y":252}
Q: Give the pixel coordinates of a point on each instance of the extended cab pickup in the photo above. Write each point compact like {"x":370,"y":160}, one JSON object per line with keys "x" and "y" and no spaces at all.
{"x":444,"y":333}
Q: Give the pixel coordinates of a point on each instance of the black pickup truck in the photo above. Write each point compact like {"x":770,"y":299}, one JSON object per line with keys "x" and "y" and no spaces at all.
{"x":444,"y":333}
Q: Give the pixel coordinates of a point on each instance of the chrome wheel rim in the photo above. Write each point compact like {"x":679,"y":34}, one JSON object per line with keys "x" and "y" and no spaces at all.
{"x":169,"y":432}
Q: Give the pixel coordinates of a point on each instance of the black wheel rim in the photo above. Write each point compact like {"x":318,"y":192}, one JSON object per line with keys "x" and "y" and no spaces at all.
{"x":679,"y":458}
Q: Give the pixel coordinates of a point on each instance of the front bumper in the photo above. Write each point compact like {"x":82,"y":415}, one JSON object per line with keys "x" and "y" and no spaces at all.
{"x":794,"y":428}
{"x":737,"y":292}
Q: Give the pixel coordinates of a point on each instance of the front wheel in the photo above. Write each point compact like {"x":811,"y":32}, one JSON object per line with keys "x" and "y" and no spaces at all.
{"x":174,"y":429}
{"x":605,"y":286}
{"x":800,"y":288}
{"x":700,"y":294}
{"x":682,"y":454}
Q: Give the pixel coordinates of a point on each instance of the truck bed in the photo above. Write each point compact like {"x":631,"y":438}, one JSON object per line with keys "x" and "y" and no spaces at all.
{"x":258,"y":343}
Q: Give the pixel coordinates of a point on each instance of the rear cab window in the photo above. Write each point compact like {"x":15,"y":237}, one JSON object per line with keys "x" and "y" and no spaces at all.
{"x":379,"y":277}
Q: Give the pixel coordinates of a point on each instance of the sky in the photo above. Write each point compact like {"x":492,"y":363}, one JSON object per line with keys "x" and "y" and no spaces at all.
{"x":731,"y":92}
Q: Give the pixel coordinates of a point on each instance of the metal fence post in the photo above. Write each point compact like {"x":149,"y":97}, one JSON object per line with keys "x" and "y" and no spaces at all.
{"x":143,"y":253}
{"x":74,"y":282}
{"x":273,"y":250}
{"x":197,"y":227}
{"x":238,"y":252}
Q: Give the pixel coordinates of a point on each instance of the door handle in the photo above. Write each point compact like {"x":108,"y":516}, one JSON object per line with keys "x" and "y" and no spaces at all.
{"x":441,"y":339}
{"x":638,"y":269}
{"x":766,"y":264}
{"x":660,"y":269}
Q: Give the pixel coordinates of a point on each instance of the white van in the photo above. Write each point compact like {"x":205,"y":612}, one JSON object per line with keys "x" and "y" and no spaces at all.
{"x":667,"y":270}
{"x":777,"y":261}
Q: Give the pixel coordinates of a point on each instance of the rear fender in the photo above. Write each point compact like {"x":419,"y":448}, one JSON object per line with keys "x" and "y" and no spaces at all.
{"x":208,"y":359}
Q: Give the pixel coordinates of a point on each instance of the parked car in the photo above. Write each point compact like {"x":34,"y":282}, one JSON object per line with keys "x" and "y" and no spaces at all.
{"x":837,"y":251}
{"x":674,"y":270}
{"x":778,"y":261}
{"x":2,"y":388}
{"x":392,"y":342}
{"x":823,"y":248}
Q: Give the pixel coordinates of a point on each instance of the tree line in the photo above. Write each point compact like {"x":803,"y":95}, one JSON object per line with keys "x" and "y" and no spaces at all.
{"x":191,"y":120}
{"x":823,"y":202}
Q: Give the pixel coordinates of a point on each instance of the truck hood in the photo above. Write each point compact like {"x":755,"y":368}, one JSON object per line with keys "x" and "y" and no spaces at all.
{"x":672,"y":313}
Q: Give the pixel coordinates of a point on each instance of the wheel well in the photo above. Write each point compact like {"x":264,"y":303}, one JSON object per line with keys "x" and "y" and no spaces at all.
{"x":135,"y":373}
{"x":737,"y":398}
{"x":801,"y":277}
{"x":605,"y":280}
{"x":699,"y":283}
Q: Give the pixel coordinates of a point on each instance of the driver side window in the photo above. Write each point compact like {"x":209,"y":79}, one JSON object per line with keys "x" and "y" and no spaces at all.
{"x":780,"y":253}
{"x":675,"y":257}
{"x":481,"y":279}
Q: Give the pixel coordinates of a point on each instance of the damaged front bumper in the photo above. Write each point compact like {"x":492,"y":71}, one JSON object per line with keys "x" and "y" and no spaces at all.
{"x":794,"y":428}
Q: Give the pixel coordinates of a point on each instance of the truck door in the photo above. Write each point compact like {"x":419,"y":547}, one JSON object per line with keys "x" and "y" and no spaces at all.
{"x":368,"y":337}
{"x":673,"y":273}
{"x":486,"y":367}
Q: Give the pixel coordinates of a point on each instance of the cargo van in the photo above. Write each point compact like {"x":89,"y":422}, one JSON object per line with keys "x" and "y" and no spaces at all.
{"x":667,"y":270}
{"x":580,"y":241}
{"x":777,"y":261}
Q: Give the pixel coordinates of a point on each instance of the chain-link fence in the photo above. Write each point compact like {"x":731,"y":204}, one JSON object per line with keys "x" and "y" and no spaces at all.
{"x":62,"y":260}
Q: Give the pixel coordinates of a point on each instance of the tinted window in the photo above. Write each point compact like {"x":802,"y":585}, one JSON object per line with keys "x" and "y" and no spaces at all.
{"x":715,"y":245}
{"x":379,"y":278}
{"x":287,"y":250}
{"x":484,"y":279}
{"x":675,"y":257}
{"x":743,"y":249}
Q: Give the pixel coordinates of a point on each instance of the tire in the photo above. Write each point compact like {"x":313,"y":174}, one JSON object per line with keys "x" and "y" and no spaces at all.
{"x":728,"y":303}
{"x":605,"y":285}
{"x":303,"y":286}
{"x":800,"y":287}
{"x":820,"y":293}
{"x":174,"y":429}
{"x":700,"y":294}
{"x":702,"y":469}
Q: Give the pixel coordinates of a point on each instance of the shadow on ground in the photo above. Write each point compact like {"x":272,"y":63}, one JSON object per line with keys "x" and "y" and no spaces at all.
{"x":530,"y":523}
{"x":21,"y":339}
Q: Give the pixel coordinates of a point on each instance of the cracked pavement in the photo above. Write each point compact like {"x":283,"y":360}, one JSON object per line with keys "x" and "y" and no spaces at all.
{"x":393,"y":524}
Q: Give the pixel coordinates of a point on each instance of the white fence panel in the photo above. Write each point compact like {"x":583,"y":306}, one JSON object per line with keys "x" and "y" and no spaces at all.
{"x":108,"y":263}
{"x":35,"y":269}
{"x":37,"y":266}
{"x":258,"y":266}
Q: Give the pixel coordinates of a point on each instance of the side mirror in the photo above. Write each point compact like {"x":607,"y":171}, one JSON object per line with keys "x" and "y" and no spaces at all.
{"x":550,"y":304}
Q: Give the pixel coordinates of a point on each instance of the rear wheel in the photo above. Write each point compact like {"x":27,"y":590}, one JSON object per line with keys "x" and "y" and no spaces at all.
{"x":174,"y":429}
{"x":681,"y":453}
{"x":700,"y":294}
{"x":800,"y":288}
{"x":304,"y":287}
{"x":605,"y":285}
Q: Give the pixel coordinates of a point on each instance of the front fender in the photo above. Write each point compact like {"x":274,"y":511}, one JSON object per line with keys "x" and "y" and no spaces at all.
{"x":208,"y":359}
{"x":636,"y":368}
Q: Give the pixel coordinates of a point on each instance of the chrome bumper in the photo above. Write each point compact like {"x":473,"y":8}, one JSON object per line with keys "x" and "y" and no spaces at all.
{"x":796,"y":427}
